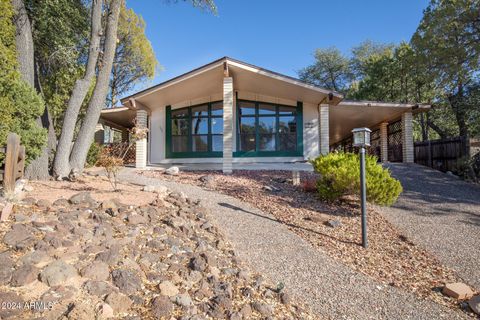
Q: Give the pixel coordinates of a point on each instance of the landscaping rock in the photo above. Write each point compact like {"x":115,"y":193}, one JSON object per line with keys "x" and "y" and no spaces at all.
{"x":13,"y":305}
{"x":119,"y":302}
{"x":162,"y":307}
{"x":98,"y":288}
{"x":474,"y":304}
{"x":24,"y":275}
{"x":19,"y":237}
{"x":105,"y":311}
{"x":126,"y":280}
{"x":61,"y":203}
{"x":168,"y":289}
{"x":458,"y":290}
{"x":173,"y":171}
{"x":183,"y":300}
{"x":81,"y":197}
{"x":264,"y":309}
{"x":98,"y":270}
{"x":57,"y":273}
{"x":333,"y":223}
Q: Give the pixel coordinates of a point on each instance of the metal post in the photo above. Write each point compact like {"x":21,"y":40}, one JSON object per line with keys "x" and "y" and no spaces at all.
{"x":363,"y":196}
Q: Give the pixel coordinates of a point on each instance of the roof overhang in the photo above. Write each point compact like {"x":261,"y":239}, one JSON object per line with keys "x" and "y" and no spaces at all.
{"x":208,"y":81}
{"x":354,"y":114}
{"x":118,"y":117}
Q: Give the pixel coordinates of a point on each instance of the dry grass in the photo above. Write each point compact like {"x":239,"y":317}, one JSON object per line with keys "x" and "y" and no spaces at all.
{"x":391,"y":258}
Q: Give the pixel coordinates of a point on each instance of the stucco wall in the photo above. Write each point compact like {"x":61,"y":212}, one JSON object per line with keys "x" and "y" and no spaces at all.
{"x":310,"y":131}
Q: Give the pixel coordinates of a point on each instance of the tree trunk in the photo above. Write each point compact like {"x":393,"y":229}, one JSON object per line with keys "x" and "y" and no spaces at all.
{"x":97,"y":102}
{"x":38,"y":168}
{"x":61,"y":166}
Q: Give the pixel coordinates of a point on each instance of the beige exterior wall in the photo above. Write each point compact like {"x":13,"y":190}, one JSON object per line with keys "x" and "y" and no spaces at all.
{"x":311,"y":142}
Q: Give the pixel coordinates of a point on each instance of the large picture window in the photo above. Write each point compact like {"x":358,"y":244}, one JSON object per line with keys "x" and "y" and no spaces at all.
{"x":195,"y":131}
{"x":265,"y":129}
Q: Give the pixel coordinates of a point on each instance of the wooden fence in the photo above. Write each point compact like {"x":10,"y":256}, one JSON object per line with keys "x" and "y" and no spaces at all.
{"x":122,"y":150}
{"x":14,"y":163}
{"x":444,"y":155}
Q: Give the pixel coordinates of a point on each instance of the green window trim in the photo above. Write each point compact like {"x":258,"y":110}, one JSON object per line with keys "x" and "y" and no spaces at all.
{"x":257,"y":153}
{"x":169,"y":154}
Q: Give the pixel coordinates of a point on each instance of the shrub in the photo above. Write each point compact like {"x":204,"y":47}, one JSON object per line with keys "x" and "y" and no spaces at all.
{"x":340,"y":175}
{"x":93,"y":154}
{"x":112,"y":166}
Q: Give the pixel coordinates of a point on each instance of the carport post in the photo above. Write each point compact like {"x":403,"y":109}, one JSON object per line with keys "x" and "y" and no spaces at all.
{"x":227,"y":124}
{"x":383,"y":142}
{"x":141,"y":144}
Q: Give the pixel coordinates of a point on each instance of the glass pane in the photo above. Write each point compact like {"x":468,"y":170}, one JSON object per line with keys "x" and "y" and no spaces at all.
{"x":266,"y":142}
{"x":247,"y":142}
{"x":179,"y":143}
{"x":266,"y":124}
{"x":217,"y":125}
{"x":286,"y":110}
{"x":200,"y":111}
{"x":180,"y":127}
{"x":199,"y":125}
{"x":247,"y":125}
{"x":246,"y":108}
{"x":287,"y":142}
{"x":217,"y":142}
{"x":287,"y":124}
{"x":217,"y":108}
{"x":179,"y":113}
{"x":200,"y":143}
{"x":266,"y":109}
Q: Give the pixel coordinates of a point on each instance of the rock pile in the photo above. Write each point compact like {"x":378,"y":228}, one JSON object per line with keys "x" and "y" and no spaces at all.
{"x":80,"y":259}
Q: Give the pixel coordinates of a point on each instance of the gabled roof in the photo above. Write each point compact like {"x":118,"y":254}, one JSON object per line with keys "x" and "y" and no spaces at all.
{"x":236,"y":63}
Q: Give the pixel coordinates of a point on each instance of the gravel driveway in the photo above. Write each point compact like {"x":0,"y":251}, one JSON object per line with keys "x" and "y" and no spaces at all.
{"x":331,"y":289}
{"x":442,"y":213}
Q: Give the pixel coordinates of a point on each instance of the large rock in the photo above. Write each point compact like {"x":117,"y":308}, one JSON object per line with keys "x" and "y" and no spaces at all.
{"x":173,"y":171}
{"x":98,"y":288}
{"x":127,"y":281}
{"x":19,"y":237}
{"x":458,"y":290}
{"x":12,"y":305}
{"x":474,"y":304}
{"x":167,"y":288}
{"x":119,"y":302}
{"x":57,"y":273}
{"x":81,"y":198}
{"x":162,"y":307}
{"x":24,"y":275}
{"x":98,"y":270}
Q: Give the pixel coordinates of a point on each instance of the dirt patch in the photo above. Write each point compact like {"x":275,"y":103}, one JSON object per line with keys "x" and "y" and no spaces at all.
{"x":391,"y":258}
{"x":95,"y":183}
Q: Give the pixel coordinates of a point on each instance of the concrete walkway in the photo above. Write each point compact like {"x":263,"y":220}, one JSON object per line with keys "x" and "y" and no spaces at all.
{"x":442,"y":213}
{"x":288,"y":166}
{"x":329,"y":288}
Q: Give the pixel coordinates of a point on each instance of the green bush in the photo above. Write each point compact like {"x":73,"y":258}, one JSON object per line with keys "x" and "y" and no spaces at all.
{"x":93,"y":154}
{"x":340,"y":175}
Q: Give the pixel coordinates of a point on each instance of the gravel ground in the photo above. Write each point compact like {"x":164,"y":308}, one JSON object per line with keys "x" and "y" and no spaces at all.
{"x":441,"y":213}
{"x":328,"y":287}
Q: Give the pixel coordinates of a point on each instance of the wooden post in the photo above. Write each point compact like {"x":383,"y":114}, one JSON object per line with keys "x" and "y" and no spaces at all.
{"x":11,"y":160}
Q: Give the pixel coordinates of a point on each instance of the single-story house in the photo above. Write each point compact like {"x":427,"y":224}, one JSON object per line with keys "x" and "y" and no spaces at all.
{"x":230,"y":111}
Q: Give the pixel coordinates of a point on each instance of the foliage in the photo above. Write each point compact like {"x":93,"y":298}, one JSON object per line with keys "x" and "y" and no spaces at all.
{"x":112,"y":166}
{"x":340,"y":175}
{"x":19,"y":102}
{"x":94,"y":154}
{"x":134,"y":58}
{"x":331,"y":70}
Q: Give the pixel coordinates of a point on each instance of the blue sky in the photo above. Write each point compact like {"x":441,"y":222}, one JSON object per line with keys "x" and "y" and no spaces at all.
{"x":274,"y":34}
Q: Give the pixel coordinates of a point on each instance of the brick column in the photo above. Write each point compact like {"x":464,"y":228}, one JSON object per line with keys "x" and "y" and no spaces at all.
{"x":324,"y":129}
{"x":407,"y":137}
{"x":384,"y":142}
{"x":227,"y":124}
{"x":141,"y":145}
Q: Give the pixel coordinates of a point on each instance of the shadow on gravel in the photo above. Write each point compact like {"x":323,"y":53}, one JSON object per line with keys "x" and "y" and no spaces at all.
{"x":425,"y":186}
{"x":291,"y":225}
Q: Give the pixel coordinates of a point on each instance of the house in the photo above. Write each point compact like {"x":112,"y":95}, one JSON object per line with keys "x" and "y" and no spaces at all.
{"x":229,"y":111}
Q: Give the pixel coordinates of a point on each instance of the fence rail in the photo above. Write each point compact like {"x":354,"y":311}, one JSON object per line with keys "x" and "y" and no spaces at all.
{"x":14,"y":162}
{"x":444,"y":155}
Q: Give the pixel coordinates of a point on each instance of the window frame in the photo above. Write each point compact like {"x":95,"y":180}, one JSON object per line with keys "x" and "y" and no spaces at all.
{"x":277,"y":153}
{"x":169,"y":153}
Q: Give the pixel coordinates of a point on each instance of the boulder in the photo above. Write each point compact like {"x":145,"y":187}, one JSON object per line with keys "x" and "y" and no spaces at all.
{"x":81,"y":198}
{"x":474,"y":304}
{"x":24,"y":275}
{"x":127,"y":281}
{"x":19,"y":237}
{"x":119,"y":302}
{"x":162,"y":307}
{"x":98,"y":270}
{"x":57,"y":273}
{"x":173,"y":171}
{"x":458,"y":290}
{"x":168,"y":289}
